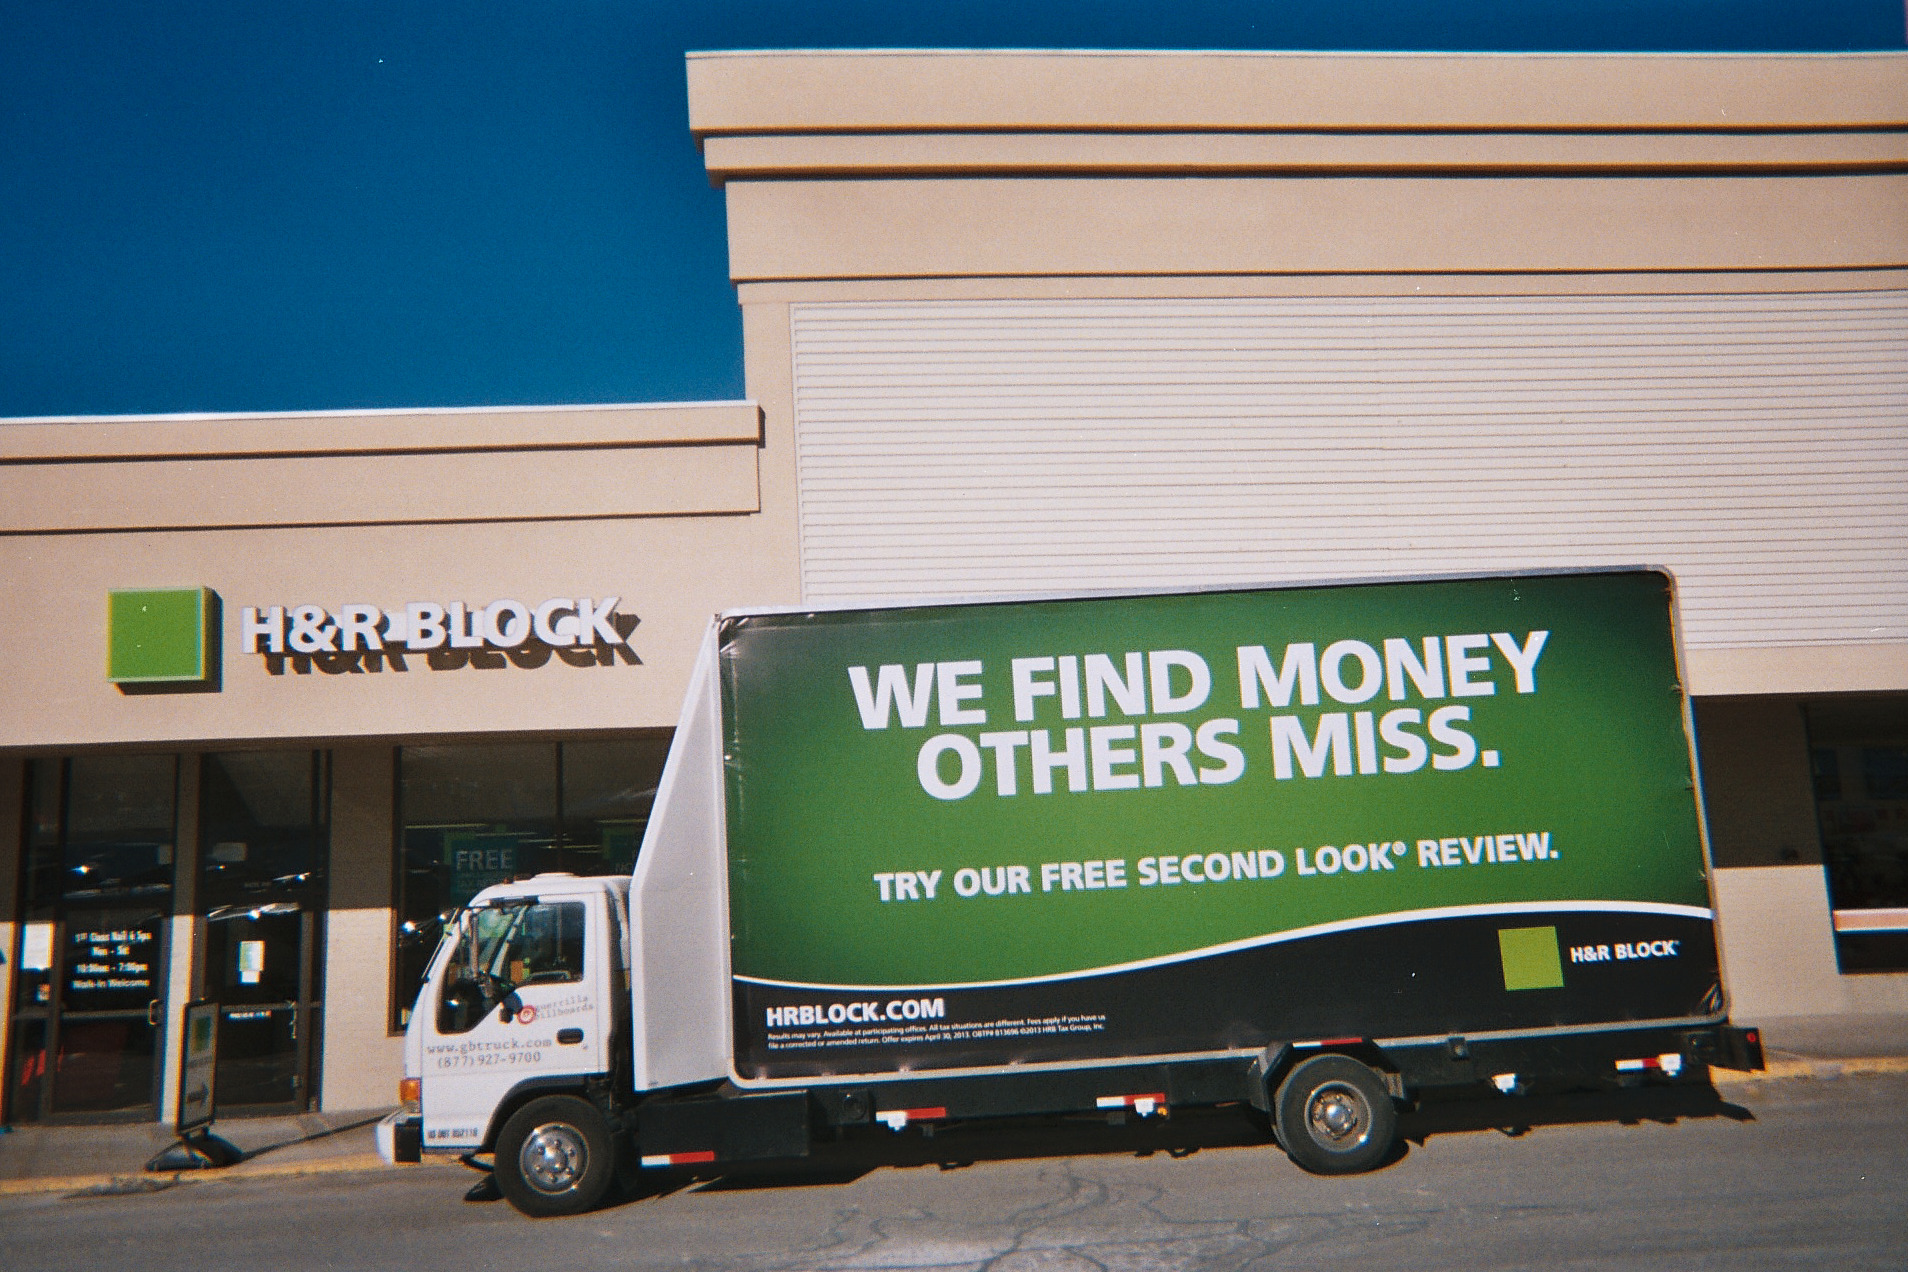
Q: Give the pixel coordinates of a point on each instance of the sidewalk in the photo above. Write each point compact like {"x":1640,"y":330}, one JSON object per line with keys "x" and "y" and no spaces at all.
{"x":87,"y":1158}
{"x":38,"y":1159}
{"x":1827,"y":1047}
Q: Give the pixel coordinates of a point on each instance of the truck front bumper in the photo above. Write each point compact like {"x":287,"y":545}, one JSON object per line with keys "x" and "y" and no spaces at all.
{"x":400,"y":1138}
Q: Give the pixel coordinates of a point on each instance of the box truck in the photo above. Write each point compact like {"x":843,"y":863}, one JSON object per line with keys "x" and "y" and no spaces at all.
{"x":1316,"y":850}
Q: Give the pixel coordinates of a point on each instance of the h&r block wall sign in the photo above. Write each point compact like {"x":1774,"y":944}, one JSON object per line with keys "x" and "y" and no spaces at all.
{"x":160,"y":636}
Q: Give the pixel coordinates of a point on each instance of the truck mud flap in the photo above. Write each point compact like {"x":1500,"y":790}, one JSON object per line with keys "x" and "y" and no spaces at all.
{"x":716,"y":1129}
{"x":1732,"y":1047}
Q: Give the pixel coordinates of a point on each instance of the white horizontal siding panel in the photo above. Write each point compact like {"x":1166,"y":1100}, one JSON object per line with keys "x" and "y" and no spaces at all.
{"x":1755,"y":443}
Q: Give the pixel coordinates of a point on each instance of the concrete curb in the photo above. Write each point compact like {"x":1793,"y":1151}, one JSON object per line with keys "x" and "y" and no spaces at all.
{"x":1805,"y":1068}
{"x":158,"y":1182}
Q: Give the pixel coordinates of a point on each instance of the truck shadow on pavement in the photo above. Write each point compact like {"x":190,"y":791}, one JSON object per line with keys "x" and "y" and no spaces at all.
{"x":307,"y":1133}
{"x":862,"y":1150}
{"x":1519,"y":1114}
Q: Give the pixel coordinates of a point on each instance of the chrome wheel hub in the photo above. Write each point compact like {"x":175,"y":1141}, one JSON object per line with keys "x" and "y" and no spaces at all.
{"x":1338,"y":1116}
{"x":553,"y":1158}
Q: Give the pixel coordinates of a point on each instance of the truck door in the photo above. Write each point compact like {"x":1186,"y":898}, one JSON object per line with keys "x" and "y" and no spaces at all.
{"x":522,"y":996}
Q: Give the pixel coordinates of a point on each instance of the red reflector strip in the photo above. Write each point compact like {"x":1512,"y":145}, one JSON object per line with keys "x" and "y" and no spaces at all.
{"x":1341,"y":1042}
{"x":895,"y":1119}
{"x":656,"y":1160}
{"x":1669,"y":1062}
{"x":1144,"y":1105}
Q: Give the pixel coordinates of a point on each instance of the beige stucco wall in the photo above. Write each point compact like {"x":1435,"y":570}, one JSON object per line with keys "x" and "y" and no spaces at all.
{"x":678,"y":511}
{"x":362,"y":1060}
{"x":1337,"y":224}
{"x":1070,"y":90}
{"x":964,"y":164}
{"x":1777,"y":952}
{"x":185,"y":934}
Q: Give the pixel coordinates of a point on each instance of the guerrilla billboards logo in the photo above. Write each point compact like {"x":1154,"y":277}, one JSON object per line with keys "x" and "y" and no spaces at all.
{"x":1030,"y":761}
{"x":581,"y":631}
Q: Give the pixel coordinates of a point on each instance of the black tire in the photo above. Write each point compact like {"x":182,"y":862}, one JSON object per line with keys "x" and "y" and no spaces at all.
{"x":555,"y":1156}
{"x":1334,"y":1116}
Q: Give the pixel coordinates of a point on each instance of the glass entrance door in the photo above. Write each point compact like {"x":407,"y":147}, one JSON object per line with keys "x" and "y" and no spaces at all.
{"x":264,"y":842}
{"x":259,"y":965}
{"x":106,"y":1033}
{"x":91,"y":957}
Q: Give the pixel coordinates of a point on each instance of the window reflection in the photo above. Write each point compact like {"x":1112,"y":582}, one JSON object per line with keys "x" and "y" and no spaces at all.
{"x":119,"y":826}
{"x":262,"y":827}
{"x":472,"y":816}
{"x":504,"y":949}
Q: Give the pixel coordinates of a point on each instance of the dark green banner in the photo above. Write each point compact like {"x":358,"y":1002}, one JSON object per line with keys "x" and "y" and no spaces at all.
{"x":960,"y":795}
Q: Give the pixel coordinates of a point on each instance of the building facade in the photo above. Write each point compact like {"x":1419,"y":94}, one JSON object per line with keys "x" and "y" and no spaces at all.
{"x":1014,"y":322}
{"x":440,"y":649}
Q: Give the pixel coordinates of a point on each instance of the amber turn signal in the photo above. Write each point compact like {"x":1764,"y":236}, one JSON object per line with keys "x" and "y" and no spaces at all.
{"x":410,"y":1090}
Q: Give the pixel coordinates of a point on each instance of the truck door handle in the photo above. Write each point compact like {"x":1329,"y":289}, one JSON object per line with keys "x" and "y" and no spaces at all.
{"x":569,"y":1037}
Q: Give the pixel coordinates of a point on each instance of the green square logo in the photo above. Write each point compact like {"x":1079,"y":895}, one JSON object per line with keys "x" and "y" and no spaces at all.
{"x":1531,"y":958}
{"x":158,"y":637}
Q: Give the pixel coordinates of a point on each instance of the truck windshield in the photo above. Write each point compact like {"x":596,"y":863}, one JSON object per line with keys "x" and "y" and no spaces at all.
{"x":501,"y":948}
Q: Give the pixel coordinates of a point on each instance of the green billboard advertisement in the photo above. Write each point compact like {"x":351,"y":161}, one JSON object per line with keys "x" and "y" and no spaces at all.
{"x":1075,"y":827}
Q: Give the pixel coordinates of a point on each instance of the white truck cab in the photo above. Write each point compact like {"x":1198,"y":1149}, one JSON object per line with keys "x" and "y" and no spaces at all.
{"x":527,"y":992}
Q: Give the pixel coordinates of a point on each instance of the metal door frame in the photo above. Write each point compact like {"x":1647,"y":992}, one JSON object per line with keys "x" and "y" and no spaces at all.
{"x":306,"y":1013}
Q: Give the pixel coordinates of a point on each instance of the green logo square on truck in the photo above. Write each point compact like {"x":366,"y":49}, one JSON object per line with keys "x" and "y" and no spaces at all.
{"x":1531,"y":958}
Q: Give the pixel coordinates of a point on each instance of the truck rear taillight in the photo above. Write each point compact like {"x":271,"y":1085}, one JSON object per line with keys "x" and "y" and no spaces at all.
{"x":895,"y":1119}
{"x":1670,"y":1063}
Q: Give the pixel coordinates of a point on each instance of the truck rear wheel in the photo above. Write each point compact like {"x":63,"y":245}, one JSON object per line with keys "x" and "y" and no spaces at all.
{"x":555,"y":1156}
{"x":1334,"y":1116}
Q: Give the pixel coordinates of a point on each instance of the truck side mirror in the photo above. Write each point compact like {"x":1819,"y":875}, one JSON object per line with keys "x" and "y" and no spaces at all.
{"x":461,"y":1007}
{"x":512,"y":1004}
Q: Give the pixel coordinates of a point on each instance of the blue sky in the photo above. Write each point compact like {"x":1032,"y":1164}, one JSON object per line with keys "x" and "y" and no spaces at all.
{"x":315,"y":204}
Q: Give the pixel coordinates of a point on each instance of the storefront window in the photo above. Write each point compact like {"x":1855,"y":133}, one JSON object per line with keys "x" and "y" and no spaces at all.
{"x":1859,"y":753}
{"x":471,"y":816}
{"x":262,"y":830}
{"x":119,"y":828}
{"x":89,"y":982}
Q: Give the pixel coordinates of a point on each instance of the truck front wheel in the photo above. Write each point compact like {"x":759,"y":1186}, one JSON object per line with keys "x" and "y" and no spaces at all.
{"x":555,"y":1156}
{"x":1334,"y":1116}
